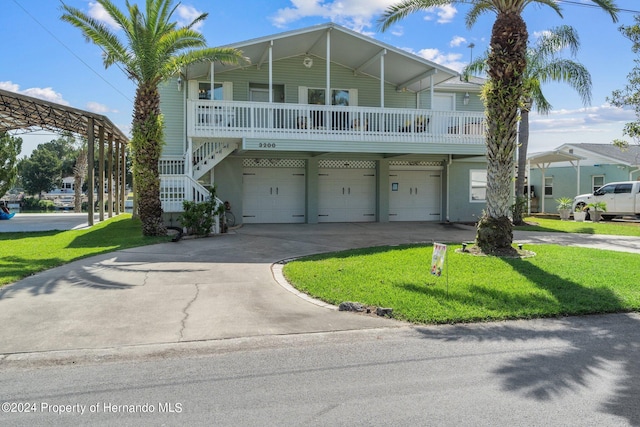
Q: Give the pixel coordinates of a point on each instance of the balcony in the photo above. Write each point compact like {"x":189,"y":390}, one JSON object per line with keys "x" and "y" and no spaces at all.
{"x":277,"y":121}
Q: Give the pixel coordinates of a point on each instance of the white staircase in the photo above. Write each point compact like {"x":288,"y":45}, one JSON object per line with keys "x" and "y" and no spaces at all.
{"x":209,"y":154}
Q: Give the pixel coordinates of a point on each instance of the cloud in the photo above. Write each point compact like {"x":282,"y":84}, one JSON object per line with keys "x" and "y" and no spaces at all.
{"x":457,"y":41}
{"x":96,"y":107}
{"x":583,"y":119}
{"x":96,"y":11}
{"x":357,"y":15}
{"x":186,"y":15}
{"x":10,"y":86}
{"x":444,"y":14}
{"x":449,"y":60}
{"x":46,"y":93}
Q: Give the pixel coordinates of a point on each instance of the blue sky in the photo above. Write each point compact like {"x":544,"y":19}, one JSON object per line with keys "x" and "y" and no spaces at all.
{"x":47,"y":58}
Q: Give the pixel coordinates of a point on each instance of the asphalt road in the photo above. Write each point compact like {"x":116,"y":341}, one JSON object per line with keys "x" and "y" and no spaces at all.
{"x":578,"y":371}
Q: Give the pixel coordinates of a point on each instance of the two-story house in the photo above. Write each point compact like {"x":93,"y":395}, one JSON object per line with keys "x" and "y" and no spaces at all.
{"x":325,"y":125}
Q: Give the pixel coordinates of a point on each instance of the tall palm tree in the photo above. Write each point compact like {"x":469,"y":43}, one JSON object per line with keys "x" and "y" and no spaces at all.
{"x":506,"y":64}
{"x":154,"y":48}
{"x":543,"y":65}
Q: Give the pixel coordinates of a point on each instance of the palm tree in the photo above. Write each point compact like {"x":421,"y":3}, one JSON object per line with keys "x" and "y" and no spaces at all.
{"x":543,"y":65}
{"x":154,"y":49}
{"x":506,"y":64}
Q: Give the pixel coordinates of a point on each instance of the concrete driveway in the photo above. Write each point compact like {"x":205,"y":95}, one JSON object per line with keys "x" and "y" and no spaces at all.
{"x":194,"y":289}
{"x":203,"y":289}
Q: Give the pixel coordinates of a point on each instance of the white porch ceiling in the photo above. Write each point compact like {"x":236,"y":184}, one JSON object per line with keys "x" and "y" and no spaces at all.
{"x":348,"y":48}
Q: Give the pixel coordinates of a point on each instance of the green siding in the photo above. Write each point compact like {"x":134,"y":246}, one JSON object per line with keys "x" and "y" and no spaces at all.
{"x":460,"y":208}
{"x":172,"y":107}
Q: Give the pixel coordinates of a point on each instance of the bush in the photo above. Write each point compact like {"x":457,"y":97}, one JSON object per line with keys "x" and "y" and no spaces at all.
{"x":33,"y":204}
{"x":199,"y":217}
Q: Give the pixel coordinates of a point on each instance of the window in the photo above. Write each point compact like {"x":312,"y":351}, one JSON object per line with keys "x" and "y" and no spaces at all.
{"x":623,"y":188}
{"x":548,"y":186}
{"x":338,"y":97}
{"x":478,"y":180}
{"x":204,"y":91}
{"x":597,"y":181}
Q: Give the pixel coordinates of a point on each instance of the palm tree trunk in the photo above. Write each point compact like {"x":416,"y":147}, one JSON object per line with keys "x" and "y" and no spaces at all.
{"x":506,"y":64}
{"x":147,"y":146}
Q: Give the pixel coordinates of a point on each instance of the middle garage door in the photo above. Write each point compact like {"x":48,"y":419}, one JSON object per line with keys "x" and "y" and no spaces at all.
{"x":347,"y":194}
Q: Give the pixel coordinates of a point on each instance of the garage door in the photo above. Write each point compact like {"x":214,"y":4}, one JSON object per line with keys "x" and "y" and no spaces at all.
{"x":414,"y":195}
{"x":273,"y":194}
{"x":347,"y":195}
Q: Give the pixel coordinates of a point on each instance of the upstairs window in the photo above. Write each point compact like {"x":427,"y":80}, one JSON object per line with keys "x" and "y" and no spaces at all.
{"x":338,"y":97}
{"x":204,"y":91}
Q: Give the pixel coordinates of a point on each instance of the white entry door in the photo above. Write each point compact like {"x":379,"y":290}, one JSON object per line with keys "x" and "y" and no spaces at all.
{"x":346,"y":195}
{"x":273,"y":195}
{"x":414,"y":195}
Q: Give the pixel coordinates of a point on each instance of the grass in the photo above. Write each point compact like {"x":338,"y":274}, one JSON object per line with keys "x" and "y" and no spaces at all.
{"x":602,"y":227}
{"x":23,"y":254}
{"x":558,"y":281}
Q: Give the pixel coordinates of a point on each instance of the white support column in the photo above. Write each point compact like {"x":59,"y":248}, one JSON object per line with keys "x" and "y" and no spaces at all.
{"x":327,"y":94}
{"x":271,"y":72}
{"x":431,"y":91}
{"x":212,"y":77}
{"x":188,"y":162}
{"x":382,"y":78}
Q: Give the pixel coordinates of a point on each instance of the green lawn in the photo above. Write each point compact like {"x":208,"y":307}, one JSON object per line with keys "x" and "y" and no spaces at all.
{"x":557,"y":281}
{"x":23,"y":254}
{"x":587,"y":227}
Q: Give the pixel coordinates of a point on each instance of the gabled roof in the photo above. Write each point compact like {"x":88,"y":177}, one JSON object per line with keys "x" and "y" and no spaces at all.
{"x":348,"y":48}
{"x":629,"y":156}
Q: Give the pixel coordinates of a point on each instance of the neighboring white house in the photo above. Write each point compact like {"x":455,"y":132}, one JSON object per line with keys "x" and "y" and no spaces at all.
{"x":325,"y":125}
{"x":552,"y":176}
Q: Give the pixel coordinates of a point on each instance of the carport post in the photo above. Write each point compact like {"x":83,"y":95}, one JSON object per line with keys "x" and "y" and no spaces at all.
{"x":90,"y":170}
{"x":101,"y":172}
{"x":116,"y":176}
{"x":110,"y":174}
{"x":123,"y":176}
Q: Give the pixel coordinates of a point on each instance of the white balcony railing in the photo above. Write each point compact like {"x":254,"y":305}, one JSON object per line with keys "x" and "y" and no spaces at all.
{"x":318,"y":122}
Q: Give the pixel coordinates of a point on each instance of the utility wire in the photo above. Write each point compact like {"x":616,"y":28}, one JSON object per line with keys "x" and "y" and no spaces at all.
{"x":593,"y":6}
{"x":72,"y":52}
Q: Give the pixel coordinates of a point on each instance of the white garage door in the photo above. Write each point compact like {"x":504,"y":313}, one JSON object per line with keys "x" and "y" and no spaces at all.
{"x":414,"y":195}
{"x":347,"y":195}
{"x":273,"y":195}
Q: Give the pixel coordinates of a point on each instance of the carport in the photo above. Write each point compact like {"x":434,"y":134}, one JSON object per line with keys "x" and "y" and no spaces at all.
{"x":543,"y":161}
{"x":22,"y":114}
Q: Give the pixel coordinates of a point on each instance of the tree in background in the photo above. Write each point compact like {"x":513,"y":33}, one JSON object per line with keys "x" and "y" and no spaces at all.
{"x":543,"y":65}
{"x":10,"y":148}
{"x":630,"y":95}
{"x":506,"y":64}
{"x":154,"y":50}
{"x":40,"y":172}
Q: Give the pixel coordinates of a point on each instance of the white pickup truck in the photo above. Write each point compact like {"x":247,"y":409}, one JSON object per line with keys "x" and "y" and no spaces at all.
{"x":622,"y":199}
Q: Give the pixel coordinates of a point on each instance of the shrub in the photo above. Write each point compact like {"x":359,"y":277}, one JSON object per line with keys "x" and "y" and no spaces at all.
{"x":199,"y":217}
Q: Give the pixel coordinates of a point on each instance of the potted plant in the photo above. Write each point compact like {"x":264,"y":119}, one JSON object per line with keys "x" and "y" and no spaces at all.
{"x":598,"y":208}
{"x":564,"y":207}
{"x":579,"y":214}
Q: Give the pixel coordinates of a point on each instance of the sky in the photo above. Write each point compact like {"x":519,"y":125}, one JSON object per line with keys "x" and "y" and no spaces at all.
{"x":44,"y":57}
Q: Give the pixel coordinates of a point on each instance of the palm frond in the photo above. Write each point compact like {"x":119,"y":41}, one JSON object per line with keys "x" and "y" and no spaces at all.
{"x":398,"y":12}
